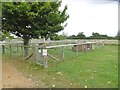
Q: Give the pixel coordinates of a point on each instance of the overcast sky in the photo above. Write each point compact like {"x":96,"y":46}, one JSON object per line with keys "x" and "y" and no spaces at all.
{"x":91,"y":16}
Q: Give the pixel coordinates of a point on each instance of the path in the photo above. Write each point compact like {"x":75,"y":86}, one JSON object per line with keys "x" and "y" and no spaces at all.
{"x":11,"y":78}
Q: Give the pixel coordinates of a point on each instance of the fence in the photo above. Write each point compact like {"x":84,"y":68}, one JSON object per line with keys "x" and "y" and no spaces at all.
{"x":50,"y":52}
{"x":86,"y":40}
{"x":61,"y":52}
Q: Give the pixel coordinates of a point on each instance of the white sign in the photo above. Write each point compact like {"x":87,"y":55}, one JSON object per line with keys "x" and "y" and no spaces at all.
{"x":39,"y":51}
{"x":45,"y":52}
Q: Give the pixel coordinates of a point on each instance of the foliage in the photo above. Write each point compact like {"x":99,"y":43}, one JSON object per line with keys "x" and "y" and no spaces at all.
{"x":5,"y":35}
{"x":72,"y":37}
{"x":33,"y":19}
{"x":94,"y":35}
{"x":81,"y":35}
{"x":58,"y":37}
{"x":98,"y":36}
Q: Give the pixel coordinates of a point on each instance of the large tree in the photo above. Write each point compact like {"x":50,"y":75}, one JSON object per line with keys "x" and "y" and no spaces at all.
{"x":33,"y":19}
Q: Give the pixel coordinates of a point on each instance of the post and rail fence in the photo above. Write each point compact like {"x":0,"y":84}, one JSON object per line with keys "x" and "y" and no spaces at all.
{"x":40,"y":53}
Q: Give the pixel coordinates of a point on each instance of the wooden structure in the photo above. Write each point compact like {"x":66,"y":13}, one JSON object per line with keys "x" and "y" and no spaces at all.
{"x":83,"y":47}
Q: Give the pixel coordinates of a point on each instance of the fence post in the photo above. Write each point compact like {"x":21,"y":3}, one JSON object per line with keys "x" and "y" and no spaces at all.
{"x":37,"y":54}
{"x":93,"y":46}
{"x":77,"y":49}
{"x":17,"y":47}
{"x":45,"y":62}
{"x":10,"y":50}
{"x":103,"y":43}
{"x":45,"y":56}
{"x":3,"y":49}
{"x":62,"y":53}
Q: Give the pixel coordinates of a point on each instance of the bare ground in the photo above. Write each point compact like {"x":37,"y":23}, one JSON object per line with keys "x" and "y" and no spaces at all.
{"x":12,"y":78}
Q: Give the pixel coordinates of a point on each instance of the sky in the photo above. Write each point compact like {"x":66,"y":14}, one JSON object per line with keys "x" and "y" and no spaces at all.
{"x":91,"y":16}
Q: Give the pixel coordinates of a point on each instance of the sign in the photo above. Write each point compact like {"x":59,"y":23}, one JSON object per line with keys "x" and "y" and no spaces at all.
{"x":44,"y":52}
{"x":39,"y":51}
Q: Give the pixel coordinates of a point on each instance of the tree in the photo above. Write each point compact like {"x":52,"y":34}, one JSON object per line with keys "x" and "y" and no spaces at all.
{"x":81,"y":35}
{"x":72,"y":37}
{"x":33,"y":19}
{"x":99,"y":36}
{"x":5,"y":35}
{"x":95,"y":35}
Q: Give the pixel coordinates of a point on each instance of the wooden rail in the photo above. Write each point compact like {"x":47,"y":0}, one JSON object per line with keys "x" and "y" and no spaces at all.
{"x":56,"y":46}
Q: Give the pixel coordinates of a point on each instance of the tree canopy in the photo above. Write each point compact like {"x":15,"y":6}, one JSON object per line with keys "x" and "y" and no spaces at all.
{"x":81,"y":35}
{"x":33,"y":19}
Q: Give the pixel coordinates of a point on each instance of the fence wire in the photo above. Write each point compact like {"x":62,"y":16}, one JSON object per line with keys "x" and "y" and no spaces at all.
{"x":36,"y":53}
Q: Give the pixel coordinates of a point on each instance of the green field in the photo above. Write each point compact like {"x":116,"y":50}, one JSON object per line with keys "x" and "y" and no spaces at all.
{"x":93,"y":69}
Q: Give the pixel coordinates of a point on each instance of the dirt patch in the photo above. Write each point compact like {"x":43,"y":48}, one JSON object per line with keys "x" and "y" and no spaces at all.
{"x":12,"y":78}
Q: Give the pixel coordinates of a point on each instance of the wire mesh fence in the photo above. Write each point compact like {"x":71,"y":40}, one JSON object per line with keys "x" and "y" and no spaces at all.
{"x":50,"y":53}
{"x":17,"y":51}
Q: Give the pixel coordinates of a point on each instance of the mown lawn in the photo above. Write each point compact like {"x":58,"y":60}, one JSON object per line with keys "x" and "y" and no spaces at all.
{"x":94,"y":69}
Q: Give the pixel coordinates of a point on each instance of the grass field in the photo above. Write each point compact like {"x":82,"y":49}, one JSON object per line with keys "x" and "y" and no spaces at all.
{"x":94,"y":69}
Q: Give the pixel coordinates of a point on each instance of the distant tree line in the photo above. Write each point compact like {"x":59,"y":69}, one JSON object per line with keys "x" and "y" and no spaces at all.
{"x":81,"y":35}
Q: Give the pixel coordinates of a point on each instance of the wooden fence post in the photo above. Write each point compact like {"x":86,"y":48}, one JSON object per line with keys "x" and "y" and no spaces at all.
{"x":77,"y":50}
{"x":45,"y":62}
{"x":10,"y":50}
{"x":17,"y":48}
{"x":62,"y":53}
{"x":22,"y":47}
{"x":37,"y":54}
{"x":3,"y":49}
{"x":93,"y":46}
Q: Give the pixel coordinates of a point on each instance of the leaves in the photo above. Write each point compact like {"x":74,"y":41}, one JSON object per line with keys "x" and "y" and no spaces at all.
{"x":43,"y":17}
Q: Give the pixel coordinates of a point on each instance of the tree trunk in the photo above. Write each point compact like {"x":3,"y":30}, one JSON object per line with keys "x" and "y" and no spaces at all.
{"x":26,"y":43}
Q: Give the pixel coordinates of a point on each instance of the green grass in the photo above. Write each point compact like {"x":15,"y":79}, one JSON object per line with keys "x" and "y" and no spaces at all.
{"x":94,"y":69}
{"x":100,"y":64}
